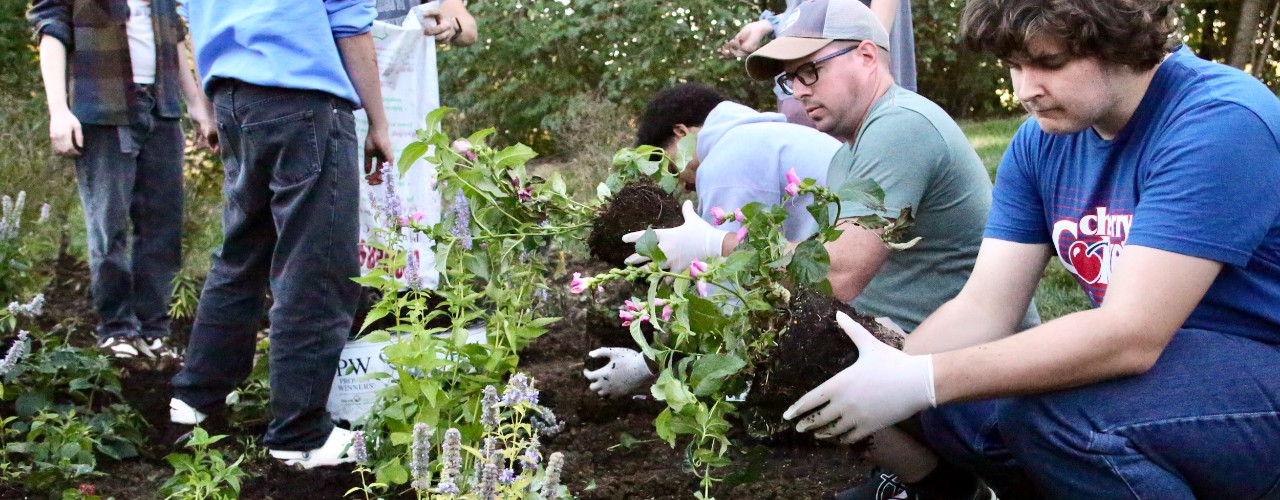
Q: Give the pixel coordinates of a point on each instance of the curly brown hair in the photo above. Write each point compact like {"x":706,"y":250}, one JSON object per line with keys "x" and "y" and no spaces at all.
{"x":1133,"y":33}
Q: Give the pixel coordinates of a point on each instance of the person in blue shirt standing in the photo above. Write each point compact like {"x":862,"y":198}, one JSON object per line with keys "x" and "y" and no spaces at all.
{"x":284,"y":77}
{"x":1153,"y":176}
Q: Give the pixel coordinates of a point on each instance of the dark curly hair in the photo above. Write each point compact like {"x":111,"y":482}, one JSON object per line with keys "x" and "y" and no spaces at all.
{"x":1133,"y":33}
{"x":686,"y":103}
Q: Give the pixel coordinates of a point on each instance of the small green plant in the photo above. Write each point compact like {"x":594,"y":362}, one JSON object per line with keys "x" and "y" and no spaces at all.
{"x":203,"y":473}
{"x":48,"y":451}
{"x":19,"y":254}
{"x":716,"y":323}
{"x":491,"y":257}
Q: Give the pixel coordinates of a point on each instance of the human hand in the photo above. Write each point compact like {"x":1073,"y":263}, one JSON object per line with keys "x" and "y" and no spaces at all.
{"x":747,"y":40}
{"x":883,"y":387}
{"x":695,"y":239}
{"x":626,"y":371}
{"x":443,"y":27}
{"x":376,"y":145}
{"x":206,"y":128}
{"x":65,"y":133}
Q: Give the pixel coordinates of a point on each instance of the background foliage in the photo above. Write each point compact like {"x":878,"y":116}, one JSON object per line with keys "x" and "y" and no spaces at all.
{"x":535,"y":56}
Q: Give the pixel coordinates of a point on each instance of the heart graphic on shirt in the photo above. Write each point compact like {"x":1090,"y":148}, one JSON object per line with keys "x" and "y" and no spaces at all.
{"x":1088,"y":267}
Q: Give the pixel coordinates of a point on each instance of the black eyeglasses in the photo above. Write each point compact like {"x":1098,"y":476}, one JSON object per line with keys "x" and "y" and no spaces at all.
{"x":807,"y":73}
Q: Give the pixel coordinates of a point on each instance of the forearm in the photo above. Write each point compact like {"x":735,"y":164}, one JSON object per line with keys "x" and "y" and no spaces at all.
{"x":1079,"y":349}
{"x":856,"y":257}
{"x":885,"y":11}
{"x":190,"y":81}
{"x":469,"y":30}
{"x":53,"y":70}
{"x":361,"y":64}
{"x":961,"y":322}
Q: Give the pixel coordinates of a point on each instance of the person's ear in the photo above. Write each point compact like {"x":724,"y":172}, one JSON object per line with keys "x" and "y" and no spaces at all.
{"x":680,"y":130}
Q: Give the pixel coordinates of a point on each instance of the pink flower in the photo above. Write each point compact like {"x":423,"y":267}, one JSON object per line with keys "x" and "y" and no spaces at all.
{"x":792,"y":189}
{"x":702,"y":288}
{"x":659,"y":302}
{"x":666,"y":313}
{"x":626,"y":316}
{"x":742,"y":233}
{"x":737,"y":215}
{"x":463,"y":146}
{"x":404,"y":221}
{"x":718,"y":213}
{"x":632,"y":305}
{"x":792,"y":178}
{"x":697,"y":267}
{"x":578,"y":285}
{"x":418,"y":216}
{"x":524,"y":194}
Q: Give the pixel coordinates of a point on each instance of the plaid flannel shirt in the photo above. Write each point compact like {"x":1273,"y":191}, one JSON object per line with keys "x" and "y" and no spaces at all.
{"x":99,"y":70}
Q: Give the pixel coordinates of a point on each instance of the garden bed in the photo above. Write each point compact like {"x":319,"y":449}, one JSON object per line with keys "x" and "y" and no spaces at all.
{"x":638,"y":465}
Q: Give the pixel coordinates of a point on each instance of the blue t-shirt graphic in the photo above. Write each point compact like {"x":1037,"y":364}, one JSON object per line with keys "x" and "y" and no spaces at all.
{"x":1196,"y":171}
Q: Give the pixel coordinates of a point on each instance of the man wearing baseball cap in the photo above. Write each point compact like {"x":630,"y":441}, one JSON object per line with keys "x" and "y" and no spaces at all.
{"x":833,"y":56}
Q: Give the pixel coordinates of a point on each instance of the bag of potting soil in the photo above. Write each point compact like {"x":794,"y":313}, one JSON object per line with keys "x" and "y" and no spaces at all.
{"x":410,"y":90}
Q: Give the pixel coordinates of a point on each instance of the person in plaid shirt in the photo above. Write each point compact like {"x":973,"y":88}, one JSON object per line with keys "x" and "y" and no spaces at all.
{"x":112,"y":76}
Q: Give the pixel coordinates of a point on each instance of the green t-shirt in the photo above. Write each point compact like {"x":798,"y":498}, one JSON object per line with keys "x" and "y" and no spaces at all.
{"x":921,"y":159}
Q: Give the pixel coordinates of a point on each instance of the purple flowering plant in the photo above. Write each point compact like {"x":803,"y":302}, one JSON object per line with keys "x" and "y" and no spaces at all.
{"x":447,"y":344}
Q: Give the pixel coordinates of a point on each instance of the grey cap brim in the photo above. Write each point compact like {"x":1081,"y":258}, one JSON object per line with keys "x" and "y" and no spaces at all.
{"x":767,"y":62}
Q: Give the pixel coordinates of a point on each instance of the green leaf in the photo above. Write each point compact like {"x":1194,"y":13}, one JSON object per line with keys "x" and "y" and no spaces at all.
{"x":864,"y":192}
{"x":662,"y":426}
{"x":479,"y":136}
{"x":410,"y":154}
{"x":710,"y":371}
{"x":810,"y":263}
{"x":647,"y":246}
{"x":671,"y":390}
{"x":602,"y":191}
{"x":30,"y":403}
{"x":705,"y":317}
{"x":686,"y":150}
{"x":513,"y":155}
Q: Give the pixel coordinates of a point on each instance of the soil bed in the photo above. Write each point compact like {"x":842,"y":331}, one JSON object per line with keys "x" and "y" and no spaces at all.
{"x":649,"y":469}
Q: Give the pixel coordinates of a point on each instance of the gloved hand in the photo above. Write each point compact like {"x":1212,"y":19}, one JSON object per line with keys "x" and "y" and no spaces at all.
{"x":627,"y":371}
{"x":882,"y":388}
{"x":695,"y":239}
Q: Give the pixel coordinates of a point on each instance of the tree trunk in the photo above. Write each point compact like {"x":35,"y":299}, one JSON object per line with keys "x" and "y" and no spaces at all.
{"x":1246,"y":33}
{"x":1264,"y":53}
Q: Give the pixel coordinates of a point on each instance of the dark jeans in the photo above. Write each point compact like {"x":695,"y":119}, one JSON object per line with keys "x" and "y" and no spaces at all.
{"x":133,"y":173}
{"x":291,"y":224}
{"x":1204,"y":422}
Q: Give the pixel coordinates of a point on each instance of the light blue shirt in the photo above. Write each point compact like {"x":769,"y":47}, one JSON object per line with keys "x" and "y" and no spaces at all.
{"x":277,"y":43}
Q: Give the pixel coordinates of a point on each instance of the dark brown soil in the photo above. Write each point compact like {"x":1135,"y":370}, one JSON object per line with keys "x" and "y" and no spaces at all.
{"x":639,"y":205}
{"x":774,"y":469}
{"x":812,"y":350}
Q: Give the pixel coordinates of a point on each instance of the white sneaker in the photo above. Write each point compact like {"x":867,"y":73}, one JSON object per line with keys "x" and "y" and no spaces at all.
{"x":118,"y":347}
{"x":333,"y":452}
{"x":154,"y":348}
{"x":182,"y":413}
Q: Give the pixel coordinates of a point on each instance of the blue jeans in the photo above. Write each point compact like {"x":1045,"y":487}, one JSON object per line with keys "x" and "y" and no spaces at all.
{"x":133,"y":174}
{"x":1203,"y":422}
{"x":291,"y":225}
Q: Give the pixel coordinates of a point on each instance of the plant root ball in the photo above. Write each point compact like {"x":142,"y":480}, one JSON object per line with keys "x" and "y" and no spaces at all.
{"x":812,"y":350}
{"x":637,"y":206}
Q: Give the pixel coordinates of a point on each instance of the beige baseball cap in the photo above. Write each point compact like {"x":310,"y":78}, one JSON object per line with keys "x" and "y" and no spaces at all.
{"x":814,"y":24}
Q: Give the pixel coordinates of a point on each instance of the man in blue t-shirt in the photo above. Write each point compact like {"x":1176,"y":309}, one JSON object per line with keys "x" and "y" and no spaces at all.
{"x":1154,"y":177}
{"x":285,"y":78}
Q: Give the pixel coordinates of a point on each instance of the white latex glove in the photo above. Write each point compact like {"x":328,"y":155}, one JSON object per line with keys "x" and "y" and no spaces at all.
{"x":627,"y":371}
{"x":882,"y":388}
{"x":695,"y":239}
